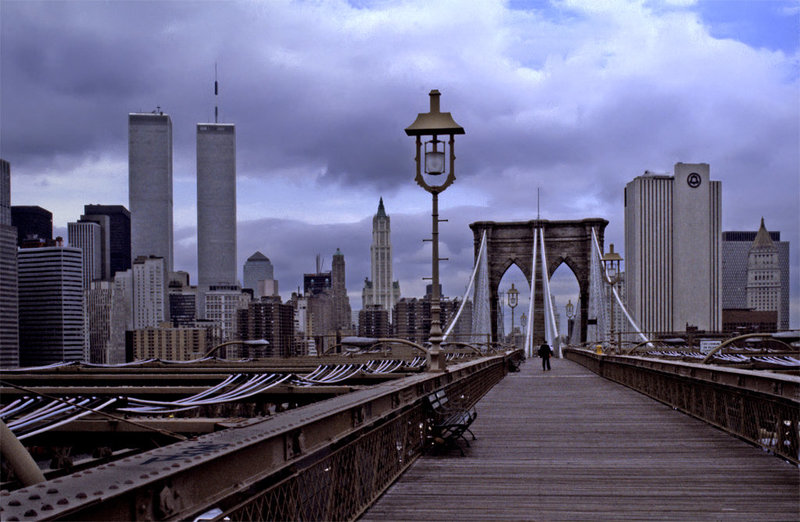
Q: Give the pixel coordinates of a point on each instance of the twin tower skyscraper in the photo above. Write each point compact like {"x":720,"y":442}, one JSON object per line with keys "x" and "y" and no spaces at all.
{"x":150,"y":197}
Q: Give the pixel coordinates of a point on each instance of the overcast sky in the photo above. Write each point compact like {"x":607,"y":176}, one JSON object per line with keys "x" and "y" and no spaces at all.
{"x":573,"y":97}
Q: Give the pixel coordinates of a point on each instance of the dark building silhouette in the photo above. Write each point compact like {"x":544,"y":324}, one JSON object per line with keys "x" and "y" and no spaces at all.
{"x":32,"y":223}
{"x":342,"y":313}
{"x":119,"y":234}
{"x":373,"y":321}
{"x":271,"y":320}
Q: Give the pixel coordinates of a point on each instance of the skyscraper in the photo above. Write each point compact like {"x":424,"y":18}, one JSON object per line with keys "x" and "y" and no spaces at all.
{"x":763,"y":273}
{"x":9,"y":305}
{"x":342,"y":314}
{"x":673,"y":250}
{"x":51,"y":320}
{"x":216,"y":207}
{"x":32,"y":222}
{"x":736,"y":246}
{"x":87,"y":236}
{"x":118,"y":237}
{"x":149,"y":292}
{"x":150,"y":185}
{"x":259,"y":276}
{"x":381,"y":290}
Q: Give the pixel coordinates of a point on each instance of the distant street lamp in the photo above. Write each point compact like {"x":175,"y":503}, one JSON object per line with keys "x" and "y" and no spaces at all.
{"x":523,"y":319}
{"x":255,"y":342}
{"x":611,"y":262}
{"x":435,"y":124}
{"x":570,"y":318}
{"x":513,"y":300}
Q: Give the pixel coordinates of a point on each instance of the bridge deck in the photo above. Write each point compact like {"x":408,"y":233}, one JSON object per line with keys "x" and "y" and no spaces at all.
{"x":569,"y":445}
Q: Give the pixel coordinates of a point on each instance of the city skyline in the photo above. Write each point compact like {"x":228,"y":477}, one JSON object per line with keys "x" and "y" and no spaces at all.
{"x":710,"y":82}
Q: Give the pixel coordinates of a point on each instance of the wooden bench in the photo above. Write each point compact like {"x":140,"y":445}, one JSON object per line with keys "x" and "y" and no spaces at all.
{"x":449,"y":422}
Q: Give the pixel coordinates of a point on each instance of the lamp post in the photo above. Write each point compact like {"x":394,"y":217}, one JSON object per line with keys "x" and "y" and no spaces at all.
{"x":255,"y":342}
{"x":611,"y":262}
{"x":524,"y":321}
{"x":570,"y":308}
{"x":435,"y":124}
{"x":513,"y":300}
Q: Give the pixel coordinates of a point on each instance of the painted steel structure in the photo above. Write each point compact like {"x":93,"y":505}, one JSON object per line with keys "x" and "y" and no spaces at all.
{"x":150,"y":185}
{"x":673,"y":266}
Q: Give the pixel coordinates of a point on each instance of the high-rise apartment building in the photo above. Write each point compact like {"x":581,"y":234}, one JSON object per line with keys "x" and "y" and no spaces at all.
{"x":149,"y":281}
{"x":673,"y":250}
{"x":182,"y":300}
{"x":87,"y":236}
{"x":173,"y":344}
{"x":271,"y":320}
{"x":99,"y":309}
{"x":32,"y":223}
{"x":216,"y":207}
{"x":736,"y":246}
{"x":9,"y":290}
{"x":150,"y":185}
{"x":118,"y":235}
{"x":381,"y":290}
{"x":222,"y":303}
{"x":51,"y":306}
{"x":373,"y":321}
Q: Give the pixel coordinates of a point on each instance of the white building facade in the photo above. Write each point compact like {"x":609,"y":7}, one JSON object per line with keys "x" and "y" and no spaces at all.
{"x":673,"y":274}
{"x":149,"y":292}
{"x":380,"y":289}
{"x":87,"y":235}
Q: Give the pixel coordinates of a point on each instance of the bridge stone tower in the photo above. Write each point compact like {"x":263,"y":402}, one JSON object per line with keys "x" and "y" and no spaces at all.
{"x":511,"y":243}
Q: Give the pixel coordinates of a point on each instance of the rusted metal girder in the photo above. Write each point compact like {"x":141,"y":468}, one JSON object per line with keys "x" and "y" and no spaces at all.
{"x":184,"y":479}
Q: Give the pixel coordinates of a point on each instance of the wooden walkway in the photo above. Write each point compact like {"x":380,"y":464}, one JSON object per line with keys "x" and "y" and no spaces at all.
{"x":569,"y":445}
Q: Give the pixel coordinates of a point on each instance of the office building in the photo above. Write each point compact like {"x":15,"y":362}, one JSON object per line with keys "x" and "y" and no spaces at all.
{"x":34,"y":224}
{"x":673,"y":273}
{"x":380,"y":289}
{"x":216,"y":207}
{"x":99,"y":310}
{"x":182,"y":300}
{"x":149,"y":280}
{"x":763,"y":273}
{"x":736,"y":246}
{"x":412,"y":318}
{"x":87,"y":236}
{"x":51,"y":305}
{"x":342,"y":312}
{"x":121,"y":315}
{"x":9,"y":305}
{"x":222,"y":303}
{"x":115,"y":221}
{"x":150,"y":185}
{"x":259,"y":276}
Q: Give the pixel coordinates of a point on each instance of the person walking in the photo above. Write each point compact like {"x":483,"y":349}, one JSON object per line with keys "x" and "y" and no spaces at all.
{"x":545,"y":352}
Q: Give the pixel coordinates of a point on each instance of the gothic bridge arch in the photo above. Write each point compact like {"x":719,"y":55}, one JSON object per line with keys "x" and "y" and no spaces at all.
{"x":568,"y":242}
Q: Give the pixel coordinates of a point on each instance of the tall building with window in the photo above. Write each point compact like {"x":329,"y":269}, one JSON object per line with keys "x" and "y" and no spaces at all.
{"x":150,"y":185}
{"x":216,"y":207}
{"x":673,"y":250}
{"x":763,"y":273}
{"x":271,"y":320}
{"x":87,"y":236}
{"x":342,"y":313}
{"x":259,"y":276}
{"x":116,"y":220}
{"x":149,"y":279}
{"x":9,"y":290}
{"x":51,"y":306}
{"x":380,"y":290}
{"x":736,"y":246}
{"x":32,"y":222}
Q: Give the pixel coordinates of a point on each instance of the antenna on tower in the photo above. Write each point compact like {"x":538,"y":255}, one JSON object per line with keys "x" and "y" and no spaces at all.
{"x":216,"y":94}
{"x":537,"y":204}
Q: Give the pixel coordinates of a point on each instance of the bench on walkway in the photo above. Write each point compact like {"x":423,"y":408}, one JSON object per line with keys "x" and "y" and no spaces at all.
{"x":449,"y":421}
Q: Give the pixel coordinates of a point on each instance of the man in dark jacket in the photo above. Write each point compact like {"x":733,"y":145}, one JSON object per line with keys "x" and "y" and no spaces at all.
{"x":544,"y":352}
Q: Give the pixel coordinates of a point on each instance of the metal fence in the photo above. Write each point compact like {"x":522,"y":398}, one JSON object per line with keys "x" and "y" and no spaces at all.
{"x":760,"y":407}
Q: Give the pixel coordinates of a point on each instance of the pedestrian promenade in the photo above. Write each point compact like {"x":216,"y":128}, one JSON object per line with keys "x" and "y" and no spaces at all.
{"x":569,"y":445}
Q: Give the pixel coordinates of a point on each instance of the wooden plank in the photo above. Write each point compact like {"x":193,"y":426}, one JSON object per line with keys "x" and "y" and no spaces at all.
{"x":569,"y":445}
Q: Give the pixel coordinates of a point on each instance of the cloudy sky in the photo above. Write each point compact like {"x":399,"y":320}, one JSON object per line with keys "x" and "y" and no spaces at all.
{"x":572,"y":97}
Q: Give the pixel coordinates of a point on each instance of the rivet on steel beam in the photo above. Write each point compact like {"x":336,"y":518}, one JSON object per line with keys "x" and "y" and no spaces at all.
{"x":14,"y":503}
{"x":34,"y":497}
{"x":81,"y":495}
{"x":113,"y":486}
{"x":62,"y":501}
{"x":31,"y":513}
{"x":52,"y":491}
{"x":47,"y":507}
{"x":97,"y":493}
{"x":129,"y":481}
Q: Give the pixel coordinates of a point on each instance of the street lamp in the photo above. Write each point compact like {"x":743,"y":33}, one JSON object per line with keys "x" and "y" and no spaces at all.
{"x":513,"y":300}
{"x":570,"y":318}
{"x":611,"y":262}
{"x":435,"y":124}
{"x":255,"y":342}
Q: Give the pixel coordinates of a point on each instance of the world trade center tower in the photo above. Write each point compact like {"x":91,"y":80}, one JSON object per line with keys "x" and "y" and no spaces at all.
{"x":150,"y":185}
{"x":216,"y":207}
